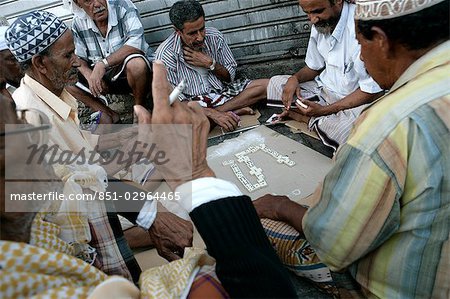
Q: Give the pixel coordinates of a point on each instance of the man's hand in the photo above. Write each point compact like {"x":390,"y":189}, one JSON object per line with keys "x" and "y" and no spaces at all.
{"x":96,"y":84}
{"x":227,"y":120}
{"x":184,"y":146}
{"x":269,"y":206}
{"x":290,"y":89}
{"x":313,"y":109}
{"x":170,"y":235}
{"x":280,"y":208}
{"x":197,"y":58}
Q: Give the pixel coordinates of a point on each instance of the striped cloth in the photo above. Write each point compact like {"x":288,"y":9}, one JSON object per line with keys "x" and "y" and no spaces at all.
{"x":126,"y":29}
{"x":212,"y":100}
{"x":207,"y":285}
{"x":384,"y":208}
{"x":297,"y":255}
{"x":171,"y":53}
{"x":114,"y":256}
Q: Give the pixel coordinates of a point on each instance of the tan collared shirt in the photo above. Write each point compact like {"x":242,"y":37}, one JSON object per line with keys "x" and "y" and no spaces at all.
{"x":61,"y":111}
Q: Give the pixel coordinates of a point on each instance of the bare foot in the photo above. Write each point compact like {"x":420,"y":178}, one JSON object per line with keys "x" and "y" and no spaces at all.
{"x":244,"y":111}
{"x":297,"y":116}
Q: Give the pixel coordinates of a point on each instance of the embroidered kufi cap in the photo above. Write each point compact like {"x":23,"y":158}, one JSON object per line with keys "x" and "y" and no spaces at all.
{"x":388,"y":9}
{"x":32,"y":33}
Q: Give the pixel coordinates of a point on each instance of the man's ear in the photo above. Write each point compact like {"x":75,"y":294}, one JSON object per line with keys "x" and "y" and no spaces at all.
{"x":38,"y":62}
{"x":382,"y":41}
{"x":178,"y":31}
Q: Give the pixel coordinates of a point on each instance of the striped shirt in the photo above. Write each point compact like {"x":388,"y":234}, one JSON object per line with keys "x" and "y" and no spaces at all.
{"x":171,"y":53}
{"x":384,"y":208}
{"x":124,"y":28}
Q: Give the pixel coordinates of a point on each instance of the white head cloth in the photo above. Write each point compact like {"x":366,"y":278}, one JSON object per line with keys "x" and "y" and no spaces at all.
{"x":3,"y":45}
{"x":75,"y":9}
{"x":388,"y":9}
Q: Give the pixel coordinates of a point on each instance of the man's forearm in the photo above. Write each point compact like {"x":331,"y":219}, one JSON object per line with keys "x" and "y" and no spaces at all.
{"x":353,"y":100}
{"x":292,"y":213}
{"x":306,"y":74}
{"x":222,"y":73}
{"x":119,"y":56}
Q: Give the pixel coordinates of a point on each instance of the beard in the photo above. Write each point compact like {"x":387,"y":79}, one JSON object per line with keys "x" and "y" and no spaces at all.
{"x":61,"y":80}
{"x":327,"y":26}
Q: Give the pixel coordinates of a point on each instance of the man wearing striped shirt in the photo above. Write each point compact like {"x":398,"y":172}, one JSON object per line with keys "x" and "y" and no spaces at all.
{"x":200,"y":56}
{"x":383,"y":211}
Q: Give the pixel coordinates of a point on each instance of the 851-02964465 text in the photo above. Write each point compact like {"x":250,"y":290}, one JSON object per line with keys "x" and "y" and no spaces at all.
{"x":135,"y":195}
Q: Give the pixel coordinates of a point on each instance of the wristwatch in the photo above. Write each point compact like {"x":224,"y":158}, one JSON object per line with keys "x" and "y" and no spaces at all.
{"x":105,"y":62}
{"x":212,"y":67}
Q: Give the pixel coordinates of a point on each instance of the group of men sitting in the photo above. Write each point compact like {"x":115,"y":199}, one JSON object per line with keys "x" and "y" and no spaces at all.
{"x":381,"y":212}
{"x":115,"y":58}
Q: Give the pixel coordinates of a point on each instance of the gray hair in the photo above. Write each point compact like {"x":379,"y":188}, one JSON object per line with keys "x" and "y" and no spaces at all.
{"x":185,"y":11}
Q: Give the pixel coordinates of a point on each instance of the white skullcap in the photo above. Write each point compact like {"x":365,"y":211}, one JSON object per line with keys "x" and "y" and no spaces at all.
{"x":387,"y":9}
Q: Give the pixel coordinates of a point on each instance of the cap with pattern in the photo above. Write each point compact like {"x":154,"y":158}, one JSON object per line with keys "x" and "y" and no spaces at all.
{"x":32,"y":33}
{"x":388,"y":9}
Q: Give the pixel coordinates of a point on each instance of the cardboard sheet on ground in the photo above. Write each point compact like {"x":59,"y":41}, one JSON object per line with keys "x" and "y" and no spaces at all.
{"x":247,"y":122}
{"x":301,"y":127}
{"x":296,"y":182}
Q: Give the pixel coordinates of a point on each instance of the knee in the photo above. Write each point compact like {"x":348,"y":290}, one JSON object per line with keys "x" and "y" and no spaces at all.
{"x":275,"y":86}
{"x":260,"y":86}
{"x":278,"y":80}
{"x":137,"y":68}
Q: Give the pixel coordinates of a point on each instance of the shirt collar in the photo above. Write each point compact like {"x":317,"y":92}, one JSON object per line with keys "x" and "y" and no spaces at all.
{"x":338,"y":32}
{"x":62,"y":105}
{"x":178,"y":45}
{"x":112,"y":16}
{"x":433,"y":58}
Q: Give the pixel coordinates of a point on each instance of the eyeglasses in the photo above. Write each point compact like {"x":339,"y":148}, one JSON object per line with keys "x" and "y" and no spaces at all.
{"x":32,"y":122}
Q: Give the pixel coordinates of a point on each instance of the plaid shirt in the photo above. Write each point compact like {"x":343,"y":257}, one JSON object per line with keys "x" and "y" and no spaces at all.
{"x":114,"y":256}
{"x":383,"y":210}
{"x":171,"y":53}
{"x":124,"y":28}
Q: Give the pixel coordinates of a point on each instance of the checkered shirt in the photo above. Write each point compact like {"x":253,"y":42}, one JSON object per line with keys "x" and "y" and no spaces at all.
{"x":124,"y":28}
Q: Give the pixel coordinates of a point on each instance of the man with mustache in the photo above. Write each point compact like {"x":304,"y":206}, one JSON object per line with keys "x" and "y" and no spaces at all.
{"x":200,"y":57}
{"x":109,"y":39}
{"x":333,"y":71}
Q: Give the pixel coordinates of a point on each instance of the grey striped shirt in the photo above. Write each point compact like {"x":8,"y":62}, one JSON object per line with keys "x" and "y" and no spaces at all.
{"x":171,"y":53}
